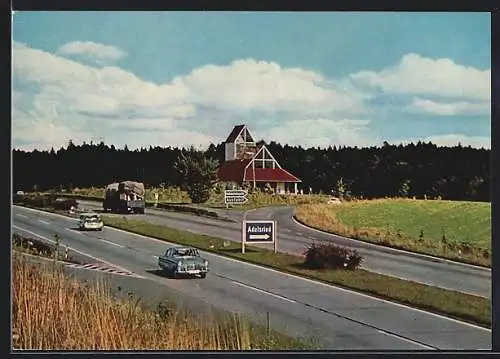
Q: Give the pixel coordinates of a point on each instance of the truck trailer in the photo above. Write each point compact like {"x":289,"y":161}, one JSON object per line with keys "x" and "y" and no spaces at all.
{"x":125,"y":197}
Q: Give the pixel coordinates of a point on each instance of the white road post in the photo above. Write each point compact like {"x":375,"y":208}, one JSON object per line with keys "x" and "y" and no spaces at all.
{"x":243,"y":233}
{"x":275,"y":236}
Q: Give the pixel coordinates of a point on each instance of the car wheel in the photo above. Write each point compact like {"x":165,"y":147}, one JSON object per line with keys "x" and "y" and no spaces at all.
{"x":170,"y":272}
{"x":203,"y":275}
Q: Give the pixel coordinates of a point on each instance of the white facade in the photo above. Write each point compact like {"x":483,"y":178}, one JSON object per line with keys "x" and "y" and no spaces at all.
{"x":230,"y":151}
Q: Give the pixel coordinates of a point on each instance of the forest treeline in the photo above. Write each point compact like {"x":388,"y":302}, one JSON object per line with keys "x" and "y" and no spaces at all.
{"x":422,"y":169}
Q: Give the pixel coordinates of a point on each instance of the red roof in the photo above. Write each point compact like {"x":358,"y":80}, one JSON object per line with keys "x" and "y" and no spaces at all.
{"x":270,"y":175}
{"x":232,"y":171}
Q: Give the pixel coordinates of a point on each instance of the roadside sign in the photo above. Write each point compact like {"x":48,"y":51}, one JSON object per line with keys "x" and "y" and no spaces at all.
{"x":259,"y":231}
{"x":235,"y":196}
{"x":235,"y":192}
{"x":234,"y":200}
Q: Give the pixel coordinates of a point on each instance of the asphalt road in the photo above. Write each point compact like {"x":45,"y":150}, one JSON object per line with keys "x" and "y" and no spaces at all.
{"x":294,"y":238}
{"x":338,"y":318}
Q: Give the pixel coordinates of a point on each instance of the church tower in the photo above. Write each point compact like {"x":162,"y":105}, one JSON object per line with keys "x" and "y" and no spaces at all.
{"x":240,"y":144}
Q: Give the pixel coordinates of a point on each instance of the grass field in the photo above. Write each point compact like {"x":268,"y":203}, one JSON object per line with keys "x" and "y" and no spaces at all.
{"x":459,"y":305}
{"x":449,"y":229}
{"x":54,"y":312}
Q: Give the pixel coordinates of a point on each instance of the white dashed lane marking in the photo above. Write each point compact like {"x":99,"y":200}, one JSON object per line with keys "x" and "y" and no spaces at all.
{"x":73,"y":231}
{"x":263,"y":291}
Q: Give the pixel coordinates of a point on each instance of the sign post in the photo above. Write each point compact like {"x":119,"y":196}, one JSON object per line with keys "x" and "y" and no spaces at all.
{"x":235,"y":196}
{"x":259,"y":231}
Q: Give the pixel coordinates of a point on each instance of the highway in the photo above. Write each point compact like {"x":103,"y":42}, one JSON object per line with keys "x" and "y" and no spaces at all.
{"x":294,"y":238}
{"x":338,"y":318}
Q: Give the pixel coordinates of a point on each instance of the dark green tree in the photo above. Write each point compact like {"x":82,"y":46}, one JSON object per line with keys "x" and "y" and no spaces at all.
{"x":198,"y":174}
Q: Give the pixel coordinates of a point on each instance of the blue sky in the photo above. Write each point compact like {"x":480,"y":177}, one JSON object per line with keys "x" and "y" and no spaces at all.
{"x":315,"y":79}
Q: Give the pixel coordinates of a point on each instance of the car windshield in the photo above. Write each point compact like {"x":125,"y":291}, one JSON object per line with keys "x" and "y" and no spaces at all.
{"x":185,"y":252}
{"x":94,"y":218}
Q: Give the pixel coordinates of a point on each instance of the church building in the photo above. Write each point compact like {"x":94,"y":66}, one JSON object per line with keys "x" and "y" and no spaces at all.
{"x":247,"y":163}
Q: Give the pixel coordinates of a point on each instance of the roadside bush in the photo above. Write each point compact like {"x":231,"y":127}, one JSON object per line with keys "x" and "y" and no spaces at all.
{"x":39,"y":201}
{"x":65,"y":203}
{"x":331,"y":256}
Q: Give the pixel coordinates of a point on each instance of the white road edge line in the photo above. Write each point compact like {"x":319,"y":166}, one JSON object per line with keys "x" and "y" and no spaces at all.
{"x":75,"y":250}
{"x":263,"y":291}
{"x":44,"y":222}
{"x":291,"y":275}
{"x":21,"y":215}
{"x":395,"y":249}
{"x":425,"y":283}
{"x":406,"y":340}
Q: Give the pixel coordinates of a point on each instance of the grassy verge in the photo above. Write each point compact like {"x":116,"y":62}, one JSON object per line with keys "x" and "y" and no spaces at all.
{"x":53,"y":312}
{"x":167,"y":194}
{"x":257,"y":199}
{"x":459,"y":305}
{"x":454,"y":230}
{"x":172,"y":207}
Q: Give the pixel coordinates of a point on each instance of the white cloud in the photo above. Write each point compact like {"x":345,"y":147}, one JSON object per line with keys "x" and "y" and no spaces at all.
{"x":452,"y":139}
{"x":93,"y":50}
{"x":419,"y":75}
{"x":56,"y":99}
{"x":448,"y":109}
{"x":322,"y":132}
{"x":83,"y":101}
{"x":88,"y":89}
{"x":266,"y":86}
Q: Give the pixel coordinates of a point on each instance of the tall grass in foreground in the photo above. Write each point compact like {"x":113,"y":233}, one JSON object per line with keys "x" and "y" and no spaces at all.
{"x":53,"y":312}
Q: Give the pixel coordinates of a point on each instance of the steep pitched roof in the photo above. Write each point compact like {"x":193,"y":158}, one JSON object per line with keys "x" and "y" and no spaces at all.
{"x":234,"y":133}
{"x":234,"y":171}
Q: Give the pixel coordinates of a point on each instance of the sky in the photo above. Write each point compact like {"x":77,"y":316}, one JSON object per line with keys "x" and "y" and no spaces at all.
{"x":309,"y":79}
